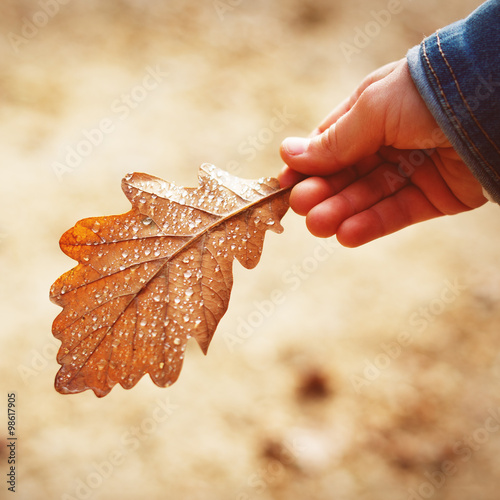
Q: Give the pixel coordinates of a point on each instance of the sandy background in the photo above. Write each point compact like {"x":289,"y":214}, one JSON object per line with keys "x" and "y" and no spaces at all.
{"x":314,"y":399}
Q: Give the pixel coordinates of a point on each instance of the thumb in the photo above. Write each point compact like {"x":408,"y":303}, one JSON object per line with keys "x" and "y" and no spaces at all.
{"x":358,"y":133}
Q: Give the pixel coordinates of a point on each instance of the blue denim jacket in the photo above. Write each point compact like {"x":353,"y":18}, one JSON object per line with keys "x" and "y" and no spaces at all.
{"x":457,"y":72}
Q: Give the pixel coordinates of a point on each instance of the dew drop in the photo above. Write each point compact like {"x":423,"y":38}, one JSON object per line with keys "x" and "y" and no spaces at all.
{"x":162,"y":364}
{"x":270,"y":222}
{"x":188,"y":274}
{"x":147,"y":251}
{"x":143,"y":322}
{"x":177,"y":300}
{"x":102,"y":364}
{"x":177,"y":341}
{"x":186,"y":318}
{"x":157,"y":298}
{"x":124,"y":254}
{"x":189,"y":292}
{"x":147,"y":221}
{"x":257,"y":220}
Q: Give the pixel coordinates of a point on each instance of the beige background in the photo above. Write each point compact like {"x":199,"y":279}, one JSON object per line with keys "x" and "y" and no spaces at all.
{"x":239,"y":424}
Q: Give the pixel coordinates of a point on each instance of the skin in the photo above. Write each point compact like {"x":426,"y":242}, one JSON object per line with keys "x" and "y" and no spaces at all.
{"x":377,"y":163}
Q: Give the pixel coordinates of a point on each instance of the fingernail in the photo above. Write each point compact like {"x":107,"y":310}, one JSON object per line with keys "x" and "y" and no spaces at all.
{"x":296,"y":145}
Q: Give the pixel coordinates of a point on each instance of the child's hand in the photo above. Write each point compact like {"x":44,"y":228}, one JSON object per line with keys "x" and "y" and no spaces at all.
{"x":367,"y":170}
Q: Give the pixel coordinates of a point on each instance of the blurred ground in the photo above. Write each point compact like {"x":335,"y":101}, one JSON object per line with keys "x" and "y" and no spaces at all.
{"x":377,"y":374}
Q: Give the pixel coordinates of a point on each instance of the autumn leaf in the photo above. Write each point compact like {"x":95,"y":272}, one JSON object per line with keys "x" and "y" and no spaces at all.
{"x":150,"y":279}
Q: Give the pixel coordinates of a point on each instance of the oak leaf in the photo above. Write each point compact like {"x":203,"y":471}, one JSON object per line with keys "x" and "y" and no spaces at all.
{"x":150,"y":279}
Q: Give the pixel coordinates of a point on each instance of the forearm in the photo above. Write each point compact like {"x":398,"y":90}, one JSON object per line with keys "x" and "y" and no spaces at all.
{"x":457,"y":72}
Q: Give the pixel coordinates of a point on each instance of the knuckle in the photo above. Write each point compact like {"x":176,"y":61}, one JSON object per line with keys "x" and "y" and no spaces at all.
{"x":328,"y":140}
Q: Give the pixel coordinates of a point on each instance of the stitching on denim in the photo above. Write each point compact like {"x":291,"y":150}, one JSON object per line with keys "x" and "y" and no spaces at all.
{"x":441,"y":90}
{"x":463,"y":97}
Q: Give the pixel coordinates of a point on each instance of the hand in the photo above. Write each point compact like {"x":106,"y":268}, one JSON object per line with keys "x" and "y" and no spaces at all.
{"x":378,"y":163}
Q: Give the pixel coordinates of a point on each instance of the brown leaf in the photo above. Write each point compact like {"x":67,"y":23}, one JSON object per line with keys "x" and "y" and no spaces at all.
{"x":150,"y":279}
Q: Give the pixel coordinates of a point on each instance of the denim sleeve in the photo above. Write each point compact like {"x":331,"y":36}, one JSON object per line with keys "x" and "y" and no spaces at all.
{"x":457,"y":72}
